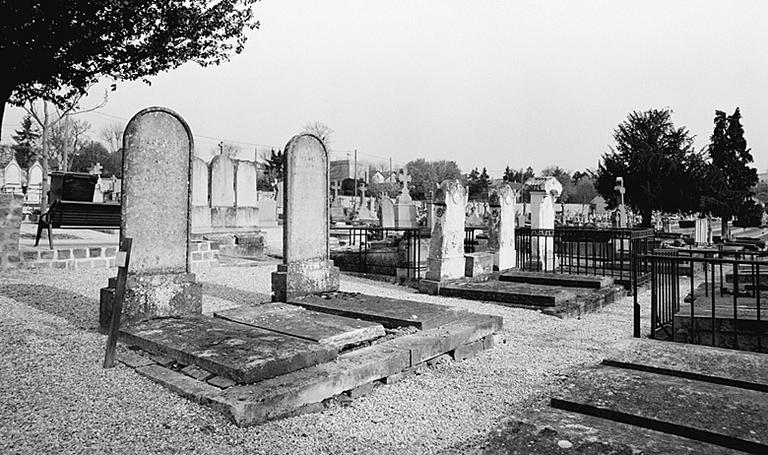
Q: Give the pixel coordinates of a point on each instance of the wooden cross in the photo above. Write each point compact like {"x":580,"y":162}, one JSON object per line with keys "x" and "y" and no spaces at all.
{"x":121,"y":260}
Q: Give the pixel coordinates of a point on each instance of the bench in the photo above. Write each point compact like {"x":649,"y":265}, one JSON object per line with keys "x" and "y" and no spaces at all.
{"x":78,"y":215}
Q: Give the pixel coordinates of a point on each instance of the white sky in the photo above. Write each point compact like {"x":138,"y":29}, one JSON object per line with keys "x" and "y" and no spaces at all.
{"x":484,"y":83}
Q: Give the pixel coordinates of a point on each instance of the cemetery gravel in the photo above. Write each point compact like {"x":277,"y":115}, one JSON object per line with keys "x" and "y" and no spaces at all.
{"x":56,"y":398}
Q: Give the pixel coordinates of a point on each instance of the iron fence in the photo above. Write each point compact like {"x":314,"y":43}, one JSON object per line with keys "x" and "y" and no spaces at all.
{"x":360,"y":240}
{"x":707,"y":296}
{"x":578,"y":250}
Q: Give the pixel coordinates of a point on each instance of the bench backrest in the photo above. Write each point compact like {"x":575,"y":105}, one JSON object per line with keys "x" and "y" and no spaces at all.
{"x":84,"y":214}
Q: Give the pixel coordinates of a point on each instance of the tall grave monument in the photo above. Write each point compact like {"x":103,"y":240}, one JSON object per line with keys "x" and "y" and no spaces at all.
{"x":405,"y":209}
{"x":621,"y":211}
{"x":306,"y":267}
{"x":156,"y":202}
{"x":501,"y":227}
{"x":446,"y":248}
{"x":544,"y":191}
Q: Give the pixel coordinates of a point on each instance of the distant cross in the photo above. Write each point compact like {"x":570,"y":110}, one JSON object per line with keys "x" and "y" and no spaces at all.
{"x":363,"y":187}
{"x":96,"y":169}
{"x":335,"y":186}
{"x":620,"y":188}
{"x":405,"y":179}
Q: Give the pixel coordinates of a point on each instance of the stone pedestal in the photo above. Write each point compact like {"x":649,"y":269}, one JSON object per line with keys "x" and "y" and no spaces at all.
{"x":405,"y":215}
{"x":300,"y":278}
{"x":477,"y":264}
{"x":10,"y":229}
{"x":153,"y":295}
{"x":544,"y":191}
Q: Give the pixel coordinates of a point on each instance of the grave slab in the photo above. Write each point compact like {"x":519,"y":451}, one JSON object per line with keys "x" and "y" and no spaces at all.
{"x":337,"y":331}
{"x":512,"y":293}
{"x":242,"y":353}
{"x":728,"y":416}
{"x":539,"y":430}
{"x":704,"y":363}
{"x":556,"y":279}
{"x":389,"y":312}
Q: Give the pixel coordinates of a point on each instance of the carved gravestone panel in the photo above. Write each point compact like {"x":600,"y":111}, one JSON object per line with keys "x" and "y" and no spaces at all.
{"x":157,"y":154}
{"x":446,"y":248}
{"x":306,"y":200}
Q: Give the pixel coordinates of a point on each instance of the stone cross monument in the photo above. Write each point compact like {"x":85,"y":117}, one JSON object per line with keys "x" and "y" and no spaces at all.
{"x":336,"y":186}
{"x":446,"y":247}
{"x":306,"y":267}
{"x":544,"y":191}
{"x":501,"y":227}
{"x":621,"y":210}
{"x":156,"y":203}
{"x":406,"y":214}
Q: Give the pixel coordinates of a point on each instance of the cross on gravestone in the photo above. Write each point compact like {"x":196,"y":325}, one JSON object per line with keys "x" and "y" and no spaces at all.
{"x":621,"y":210}
{"x":620,"y":188}
{"x":363,"y":187}
{"x":336,"y":186}
{"x":405,"y":179}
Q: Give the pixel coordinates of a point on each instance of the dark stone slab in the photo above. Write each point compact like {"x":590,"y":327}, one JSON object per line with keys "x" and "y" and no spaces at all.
{"x":501,"y":292}
{"x":337,"y":331}
{"x":556,"y":279}
{"x":386,"y":311}
{"x":728,"y":416}
{"x":538,"y":432}
{"x":189,"y":388}
{"x":704,"y":363}
{"x":242,"y":353}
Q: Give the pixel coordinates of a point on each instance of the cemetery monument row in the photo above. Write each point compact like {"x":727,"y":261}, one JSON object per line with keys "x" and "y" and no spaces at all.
{"x":156,"y":200}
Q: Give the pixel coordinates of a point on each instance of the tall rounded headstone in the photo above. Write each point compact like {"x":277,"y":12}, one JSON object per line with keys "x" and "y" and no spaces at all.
{"x":306,"y":267}
{"x":446,"y":247}
{"x":156,"y":203}
{"x":501,"y":227}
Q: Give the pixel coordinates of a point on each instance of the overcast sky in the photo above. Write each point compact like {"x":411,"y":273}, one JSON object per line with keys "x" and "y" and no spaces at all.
{"x":484,"y":83}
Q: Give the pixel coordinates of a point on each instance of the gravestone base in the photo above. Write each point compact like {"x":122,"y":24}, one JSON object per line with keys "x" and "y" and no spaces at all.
{"x":440,"y":270}
{"x":477,"y":264}
{"x":153,"y":295}
{"x":405,"y":216}
{"x":299,"y":278}
{"x":505,"y":258}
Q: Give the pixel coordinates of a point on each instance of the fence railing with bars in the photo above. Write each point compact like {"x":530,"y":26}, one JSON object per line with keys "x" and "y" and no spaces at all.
{"x":577,"y":250}
{"x":402,"y":257}
{"x":715,"y":297}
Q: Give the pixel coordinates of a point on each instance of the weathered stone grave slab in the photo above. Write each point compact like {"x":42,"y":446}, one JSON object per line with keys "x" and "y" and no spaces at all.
{"x":729,"y":416}
{"x":556,"y":279}
{"x":331,"y":329}
{"x":389,"y":312}
{"x":703,"y":363}
{"x":242,"y":353}
{"x":539,"y":430}
{"x":512,"y":293}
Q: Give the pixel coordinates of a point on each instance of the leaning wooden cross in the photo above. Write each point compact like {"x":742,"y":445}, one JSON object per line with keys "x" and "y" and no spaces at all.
{"x":122,"y":259}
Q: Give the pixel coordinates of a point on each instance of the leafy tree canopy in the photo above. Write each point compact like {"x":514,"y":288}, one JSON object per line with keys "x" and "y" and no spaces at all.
{"x":53,"y":49}
{"x":427,"y":175}
{"x":93,"y":152}
{"x":660,"y":169}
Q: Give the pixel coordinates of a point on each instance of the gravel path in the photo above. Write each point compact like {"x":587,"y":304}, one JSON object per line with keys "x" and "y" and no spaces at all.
{"x":56,"y":398}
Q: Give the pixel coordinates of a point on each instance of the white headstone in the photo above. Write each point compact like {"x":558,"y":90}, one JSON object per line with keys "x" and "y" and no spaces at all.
{"x":446,"y":247}
{"x":501,"y":227}
{"x":222,"y":181}
{"x":246,"y":184}
{"x":544,"y":191}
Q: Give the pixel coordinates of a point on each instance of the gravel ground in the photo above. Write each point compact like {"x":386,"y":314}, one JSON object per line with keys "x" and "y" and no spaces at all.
{"x":56,"y":398}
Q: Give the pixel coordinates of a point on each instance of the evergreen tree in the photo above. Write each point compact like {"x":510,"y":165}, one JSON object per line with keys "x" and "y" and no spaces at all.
{"x":730,"y":179}
{"x":26,"y":147}
{"x":274,"y":167}
{"x":660,"y":169}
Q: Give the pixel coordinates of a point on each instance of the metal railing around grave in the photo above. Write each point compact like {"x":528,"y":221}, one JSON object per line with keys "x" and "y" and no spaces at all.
{"x":359,"y":239}
{"x":707,"y":296}
{"x":578,"y":250}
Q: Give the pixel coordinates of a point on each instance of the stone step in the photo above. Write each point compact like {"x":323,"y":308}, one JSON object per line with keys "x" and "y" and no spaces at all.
{"x":747,"y":370}
{"x":391,"y":313}
{"x":337,"y":331}
{"x":239,"y":352}
{"x":547,"y":431}
{"x":556,"y":279}
{"x":717,"y":414}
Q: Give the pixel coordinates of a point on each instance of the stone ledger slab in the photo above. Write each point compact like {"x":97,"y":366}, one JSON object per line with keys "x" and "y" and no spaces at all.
{"x":331,"y":329}
{"x":242,"y":353}
{"x":538,"y":431}
{"x":386,"y":311}
{"x":706,"y":363}
{"x":556,"y":279}
{"x":671,"y":404}
{"x":512,"y":293}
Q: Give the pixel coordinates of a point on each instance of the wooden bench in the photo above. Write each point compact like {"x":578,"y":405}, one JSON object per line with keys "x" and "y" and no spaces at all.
{"x":78,"y":215}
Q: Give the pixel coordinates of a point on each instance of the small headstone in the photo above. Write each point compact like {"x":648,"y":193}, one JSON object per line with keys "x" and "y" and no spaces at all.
{"x":34,"y":183}
{"x":157,"y":158}
{"x":387,"y":208}
{"x":306,"y":267}
{"x":501,"y":227}
{"x":12,"y":178}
